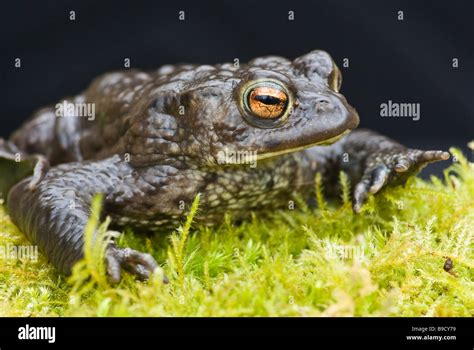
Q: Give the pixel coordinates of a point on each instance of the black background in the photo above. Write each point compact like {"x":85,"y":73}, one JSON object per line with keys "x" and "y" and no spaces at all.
{"x":403,"y":61}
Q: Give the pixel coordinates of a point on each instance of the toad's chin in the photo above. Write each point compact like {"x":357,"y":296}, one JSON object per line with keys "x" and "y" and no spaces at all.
{"x":329,"y":141}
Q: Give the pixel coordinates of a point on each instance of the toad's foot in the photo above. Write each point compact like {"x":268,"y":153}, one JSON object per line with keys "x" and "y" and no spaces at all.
{"x":141,"y":265}
{"x":391,"y":167}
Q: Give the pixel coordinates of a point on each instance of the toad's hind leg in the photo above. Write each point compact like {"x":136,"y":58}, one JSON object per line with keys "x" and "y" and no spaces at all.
{"x":55,"y":215}
{"x":42,"y":140}
{"x":56,"y":138}
{"x":16,"y":165}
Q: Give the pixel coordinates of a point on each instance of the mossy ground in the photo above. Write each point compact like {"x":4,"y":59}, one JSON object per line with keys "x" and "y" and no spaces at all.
{"x":395,"y":251}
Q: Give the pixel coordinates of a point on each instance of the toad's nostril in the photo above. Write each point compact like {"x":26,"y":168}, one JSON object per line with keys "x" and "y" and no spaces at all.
{"x":323,"y":104}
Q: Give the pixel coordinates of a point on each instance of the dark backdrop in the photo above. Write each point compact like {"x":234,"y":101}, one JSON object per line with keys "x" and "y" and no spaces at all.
{"x":402,"y":61}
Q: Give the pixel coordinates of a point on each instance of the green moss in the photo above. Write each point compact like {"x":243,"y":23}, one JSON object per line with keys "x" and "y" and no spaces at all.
{"x":286,"y":265}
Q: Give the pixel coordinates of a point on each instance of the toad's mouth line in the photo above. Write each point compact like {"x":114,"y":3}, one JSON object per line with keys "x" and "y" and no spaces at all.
{"x":296,"y":149}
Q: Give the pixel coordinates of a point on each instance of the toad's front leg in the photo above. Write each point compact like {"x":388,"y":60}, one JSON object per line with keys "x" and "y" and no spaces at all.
{"x":54,"y":215}
{"x":372,"y":161}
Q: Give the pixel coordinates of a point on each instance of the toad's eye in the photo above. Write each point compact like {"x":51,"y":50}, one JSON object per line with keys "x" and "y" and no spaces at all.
{"x":266,"y":100}
{"x":335,"y":79}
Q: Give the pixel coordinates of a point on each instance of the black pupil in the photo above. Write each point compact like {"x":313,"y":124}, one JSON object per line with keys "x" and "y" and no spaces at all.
{"x":268,"y":100}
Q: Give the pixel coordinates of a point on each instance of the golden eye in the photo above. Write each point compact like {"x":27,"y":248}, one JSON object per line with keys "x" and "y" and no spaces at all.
{"x":267,"y":101}
{"x":335,"y":79}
